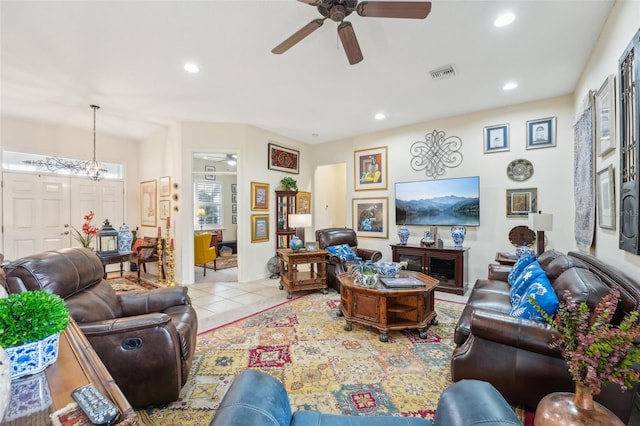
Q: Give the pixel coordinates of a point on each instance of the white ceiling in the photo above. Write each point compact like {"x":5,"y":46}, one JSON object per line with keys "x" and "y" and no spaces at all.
{"x":58,"y":57}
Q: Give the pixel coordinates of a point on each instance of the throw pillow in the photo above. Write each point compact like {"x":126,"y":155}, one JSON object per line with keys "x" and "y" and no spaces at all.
{"x":545,"y":297}
{"x":528,"y":276}
{"x":343,"y":251}
{"x":519,"y":266}
{"x":139,"y":242}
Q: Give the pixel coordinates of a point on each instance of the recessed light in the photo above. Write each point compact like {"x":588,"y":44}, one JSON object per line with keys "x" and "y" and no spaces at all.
{"x":510,"y":85}
{"x":504,"y":20}
{"x":191,"y":67}
{"x":380,"y":116}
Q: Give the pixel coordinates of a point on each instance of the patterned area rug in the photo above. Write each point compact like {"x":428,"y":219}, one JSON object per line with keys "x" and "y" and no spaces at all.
{"x":303,"y":343}
{"x":130,"y":282}
{"x":225,"y":262}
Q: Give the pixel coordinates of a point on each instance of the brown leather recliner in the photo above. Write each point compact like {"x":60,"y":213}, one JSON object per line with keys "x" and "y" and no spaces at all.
{"x":337,"y":236}
{"x":145,"y":338}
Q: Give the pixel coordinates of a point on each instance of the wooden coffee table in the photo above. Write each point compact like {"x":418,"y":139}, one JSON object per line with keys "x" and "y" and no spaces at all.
{"x":388,"y":309}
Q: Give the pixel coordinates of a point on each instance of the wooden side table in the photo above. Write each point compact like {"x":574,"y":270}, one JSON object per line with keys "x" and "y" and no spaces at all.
{"x":119,"y":257}
{"x":506,"y":258}
{"x":292,"y":279}
{"x":388,"y":309}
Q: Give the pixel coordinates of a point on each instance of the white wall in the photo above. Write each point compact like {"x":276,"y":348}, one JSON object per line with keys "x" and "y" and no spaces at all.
{"x":552,"y":176}
{"x":623,"y":23}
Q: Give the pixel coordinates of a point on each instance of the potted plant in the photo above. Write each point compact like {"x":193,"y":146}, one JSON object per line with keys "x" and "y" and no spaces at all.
{"x":364,"y":273}
{"x":30,"y":327}
{"x":597,"y":353}
{"x":88,"y":231}
{"x":289,"y":184}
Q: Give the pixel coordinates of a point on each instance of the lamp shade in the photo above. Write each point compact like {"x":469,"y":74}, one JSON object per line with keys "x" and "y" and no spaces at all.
{"x":541,"y":221}
{"x":299,"y":220}
{"x":202,"y":212}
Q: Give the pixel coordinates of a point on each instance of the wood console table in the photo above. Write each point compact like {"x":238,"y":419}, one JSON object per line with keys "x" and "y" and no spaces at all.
{"x":388,"y":309}
{"x":448,"y":265}
{"x":293,"y":279}
{"x":77,"y":365}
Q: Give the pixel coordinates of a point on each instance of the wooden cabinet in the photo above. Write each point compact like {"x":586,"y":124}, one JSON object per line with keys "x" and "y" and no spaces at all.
{"x":448,"y":265}
{"x":285,"y":205}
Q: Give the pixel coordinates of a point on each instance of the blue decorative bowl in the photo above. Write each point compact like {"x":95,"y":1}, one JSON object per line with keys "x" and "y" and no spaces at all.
{"x":388,"y":269}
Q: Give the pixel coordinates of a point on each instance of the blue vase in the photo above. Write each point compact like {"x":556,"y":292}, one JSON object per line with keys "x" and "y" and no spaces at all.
{"x":458,"y":233}
{"x":403,"y":233}
{"x":295,"y":244}
{"x":125,"y":239}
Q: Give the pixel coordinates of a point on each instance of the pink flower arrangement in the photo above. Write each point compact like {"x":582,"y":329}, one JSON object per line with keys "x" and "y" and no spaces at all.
{"x":597,"y":353}
{"x":88,"y":231}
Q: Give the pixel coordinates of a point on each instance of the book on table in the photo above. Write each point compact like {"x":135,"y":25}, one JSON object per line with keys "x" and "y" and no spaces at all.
{"x":402,"y":282}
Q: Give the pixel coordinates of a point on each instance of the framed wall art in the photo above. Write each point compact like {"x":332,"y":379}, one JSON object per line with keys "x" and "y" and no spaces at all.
{"x":606,"y":198}
{"x":148,"y":201}
{"x":284,"y":159}
{"x":259,"y":196}
{"x":605,"y":110}
{"x":521,"y":202}
{"x":541,"y":133}
{"x":164,"y":186}
{"x":370,"y":217}
{"x":234,"y":219}
{"x":496,"y":138}
{"x":370,"y":169}
{"x":210,"y":176}
{"x":303,"y":202}
{"x":259,"y":228}
{"x":234,"y":188}
{"x":165,"y":209}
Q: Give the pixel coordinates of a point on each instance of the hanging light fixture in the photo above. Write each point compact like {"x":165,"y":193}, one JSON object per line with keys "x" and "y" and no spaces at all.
{"x":94,"y":170}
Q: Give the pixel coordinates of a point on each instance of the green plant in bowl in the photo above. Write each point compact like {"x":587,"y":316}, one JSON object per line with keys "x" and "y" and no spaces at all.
{"x":289,"y":184}
{"x":31,"y":316}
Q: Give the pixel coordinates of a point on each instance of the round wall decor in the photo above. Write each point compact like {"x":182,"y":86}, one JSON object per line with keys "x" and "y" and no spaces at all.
{"x":522,"y":235}
{"x":520,"y":170}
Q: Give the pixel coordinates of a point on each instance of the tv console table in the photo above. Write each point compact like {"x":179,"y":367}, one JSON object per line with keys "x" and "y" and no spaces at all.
{"x":449,"y":265}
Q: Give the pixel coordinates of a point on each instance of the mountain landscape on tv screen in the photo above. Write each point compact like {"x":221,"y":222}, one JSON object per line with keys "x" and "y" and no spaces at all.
{"x":446,"y":210}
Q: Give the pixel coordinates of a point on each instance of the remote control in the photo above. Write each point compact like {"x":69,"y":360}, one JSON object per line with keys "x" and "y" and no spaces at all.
{"x":98,"y":408}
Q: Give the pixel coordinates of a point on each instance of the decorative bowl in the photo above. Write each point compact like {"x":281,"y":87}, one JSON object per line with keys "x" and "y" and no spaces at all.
{"x":388,"y":269}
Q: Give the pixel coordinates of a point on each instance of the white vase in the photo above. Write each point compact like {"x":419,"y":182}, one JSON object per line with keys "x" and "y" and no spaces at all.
{"x":457,"y":234}
{"x":33,"y":357}
{"x":5,"y":382}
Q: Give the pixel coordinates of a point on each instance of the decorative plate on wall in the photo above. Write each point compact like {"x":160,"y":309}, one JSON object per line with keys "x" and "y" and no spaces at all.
{"x":520,"y":170}
{"x":522,"y":235}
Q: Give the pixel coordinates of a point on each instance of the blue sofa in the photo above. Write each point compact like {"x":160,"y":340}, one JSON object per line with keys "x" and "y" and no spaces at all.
{"x":258,"y":399}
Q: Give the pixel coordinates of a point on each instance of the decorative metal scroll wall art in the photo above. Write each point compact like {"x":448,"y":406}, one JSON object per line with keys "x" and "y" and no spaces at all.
{"x":436,"y":153}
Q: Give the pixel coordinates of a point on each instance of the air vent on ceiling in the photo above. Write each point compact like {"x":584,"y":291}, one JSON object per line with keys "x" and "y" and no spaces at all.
{"x":443,"y":72}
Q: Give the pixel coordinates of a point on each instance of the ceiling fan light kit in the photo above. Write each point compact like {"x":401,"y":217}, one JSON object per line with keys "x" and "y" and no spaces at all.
{"x":337,"y":10}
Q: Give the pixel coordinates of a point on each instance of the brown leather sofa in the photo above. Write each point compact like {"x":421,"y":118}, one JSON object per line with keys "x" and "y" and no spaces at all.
{"x":338,"y":236}
{"x":145,"y":338}
{"x":513,"y":354}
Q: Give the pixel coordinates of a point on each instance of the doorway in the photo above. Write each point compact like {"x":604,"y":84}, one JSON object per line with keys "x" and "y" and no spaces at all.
{"x":330,"y":199}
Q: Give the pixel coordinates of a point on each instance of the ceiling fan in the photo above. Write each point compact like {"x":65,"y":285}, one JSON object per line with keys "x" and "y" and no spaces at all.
{"x":337,"y":10}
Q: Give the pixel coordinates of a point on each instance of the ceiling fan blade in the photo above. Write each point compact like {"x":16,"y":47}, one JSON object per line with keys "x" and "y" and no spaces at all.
{"x":395,"y":9}
{"x":349,"y":42}
{"x":297,"y":36}
{"x":312,"y":2}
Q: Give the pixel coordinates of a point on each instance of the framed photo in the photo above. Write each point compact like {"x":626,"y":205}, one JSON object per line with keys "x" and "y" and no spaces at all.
{"x":370,"y":168}
{"x":234,"y":208}
{"x":370,"y":217}
{"x":234,"y":198}
{"x":521,"y":202}
{"x":165,"y":209}
{"x":234,"y":188}
{"x":234,"y":219}
{"x":496,"y":138}
{"x":283,"y":159}
{"x":148,"y":201}
{"x":259,"y":196}
{"x":606,"y":198}
{"x":210,"y":169}
{"x":259,"y":228}
{"x":605,"y":107}
{"x":164,"y":184}
{"x":541,"y":133}
{"x":303,"y":202}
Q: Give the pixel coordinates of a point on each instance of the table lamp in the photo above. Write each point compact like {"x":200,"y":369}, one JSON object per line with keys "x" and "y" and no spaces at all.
{"x":299,"y":222}
{"x":540,"y":222}
{"x":201,"y":214}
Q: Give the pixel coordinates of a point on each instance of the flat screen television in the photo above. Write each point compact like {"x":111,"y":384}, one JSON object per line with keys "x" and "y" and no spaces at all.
{"x":444,"y":202}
